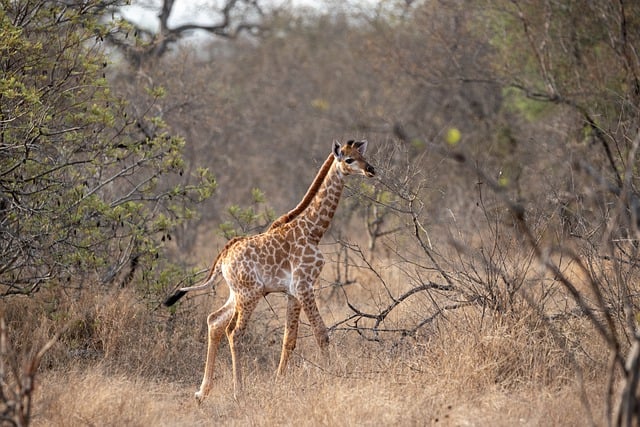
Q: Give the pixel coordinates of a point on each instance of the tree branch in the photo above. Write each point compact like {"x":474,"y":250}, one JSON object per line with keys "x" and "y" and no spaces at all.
{"x":156,"y":45}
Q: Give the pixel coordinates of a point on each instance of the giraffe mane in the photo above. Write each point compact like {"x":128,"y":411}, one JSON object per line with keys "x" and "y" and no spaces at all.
{"x":308,"y":197}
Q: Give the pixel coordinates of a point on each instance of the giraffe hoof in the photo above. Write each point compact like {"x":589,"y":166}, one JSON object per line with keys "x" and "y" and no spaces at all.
{"x":199,"y":395}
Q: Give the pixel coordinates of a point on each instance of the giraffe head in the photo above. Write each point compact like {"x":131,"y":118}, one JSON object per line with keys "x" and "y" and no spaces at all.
{"x":350,"y":158}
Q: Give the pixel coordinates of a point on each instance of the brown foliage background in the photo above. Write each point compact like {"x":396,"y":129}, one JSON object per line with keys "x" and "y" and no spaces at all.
{"x":485,"y":280}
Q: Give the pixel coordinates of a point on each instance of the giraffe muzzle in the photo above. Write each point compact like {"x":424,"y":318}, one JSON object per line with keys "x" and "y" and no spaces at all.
{"x":369,"y":171}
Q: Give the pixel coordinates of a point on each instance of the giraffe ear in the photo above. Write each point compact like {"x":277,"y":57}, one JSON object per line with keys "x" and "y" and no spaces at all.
{"x":361,"y":146}
{"x":336,"y":149}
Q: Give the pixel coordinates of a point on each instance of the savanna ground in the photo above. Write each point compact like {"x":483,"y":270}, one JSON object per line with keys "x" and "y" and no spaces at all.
{"x":468,"y":370}
{"x":121,"y":361}
{"x":488,"y":275}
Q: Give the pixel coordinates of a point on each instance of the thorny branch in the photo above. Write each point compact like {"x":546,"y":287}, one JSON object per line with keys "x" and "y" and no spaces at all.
{"x":382,"y":315}
{"x":16,"y":384}
{"x":396,"y":301}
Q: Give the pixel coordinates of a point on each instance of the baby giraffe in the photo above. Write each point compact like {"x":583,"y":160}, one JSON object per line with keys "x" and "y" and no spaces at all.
{"x":285,"y":258}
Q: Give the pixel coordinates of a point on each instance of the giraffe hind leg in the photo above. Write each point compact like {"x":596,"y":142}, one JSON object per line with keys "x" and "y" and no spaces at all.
{"x":235,"y":333}
{"x":319,"y":328}
{"x":216,"y":323}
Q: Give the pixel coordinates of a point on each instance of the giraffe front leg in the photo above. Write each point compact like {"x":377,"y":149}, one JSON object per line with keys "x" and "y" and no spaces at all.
{"x":216,"y":323}
{"x":290,"y":332}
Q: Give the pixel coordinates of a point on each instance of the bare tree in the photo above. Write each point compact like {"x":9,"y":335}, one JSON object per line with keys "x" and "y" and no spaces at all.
{"x":228,"y":21}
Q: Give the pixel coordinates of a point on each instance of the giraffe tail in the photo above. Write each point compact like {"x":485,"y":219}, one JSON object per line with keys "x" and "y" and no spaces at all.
{"x":183,"y":291}
{"x":174,"y":298}
{"x":213,"y":273}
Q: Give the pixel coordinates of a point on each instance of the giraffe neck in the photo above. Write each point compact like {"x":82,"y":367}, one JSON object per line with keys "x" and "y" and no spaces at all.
{"x":315,"y":219}
{"x":308,"y":197}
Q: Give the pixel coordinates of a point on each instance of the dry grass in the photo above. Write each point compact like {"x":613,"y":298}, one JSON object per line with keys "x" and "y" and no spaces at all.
{"x":472,"y":370}
{"x":365,"y":394}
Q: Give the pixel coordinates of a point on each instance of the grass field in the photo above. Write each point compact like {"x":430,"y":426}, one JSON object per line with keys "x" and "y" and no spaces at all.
{"x":119,"y":363}
{"x":399,"y":395}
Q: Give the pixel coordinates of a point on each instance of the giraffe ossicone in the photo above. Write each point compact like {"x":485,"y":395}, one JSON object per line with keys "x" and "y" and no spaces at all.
{"x":285,"y":258}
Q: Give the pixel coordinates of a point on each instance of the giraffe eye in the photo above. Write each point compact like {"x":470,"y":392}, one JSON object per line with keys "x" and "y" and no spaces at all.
{"x":348,"y":161}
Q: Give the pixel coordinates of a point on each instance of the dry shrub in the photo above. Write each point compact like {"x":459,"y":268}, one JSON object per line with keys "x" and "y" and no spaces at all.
{"x":514,"y":351}
{"x":114,"y":328}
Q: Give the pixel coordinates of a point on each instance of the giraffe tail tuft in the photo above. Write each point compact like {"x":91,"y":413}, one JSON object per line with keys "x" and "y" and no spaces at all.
{"x":174,"y":298}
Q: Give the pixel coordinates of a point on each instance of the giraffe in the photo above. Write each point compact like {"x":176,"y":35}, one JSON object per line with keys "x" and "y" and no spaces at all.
{"x":285,"y":258}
